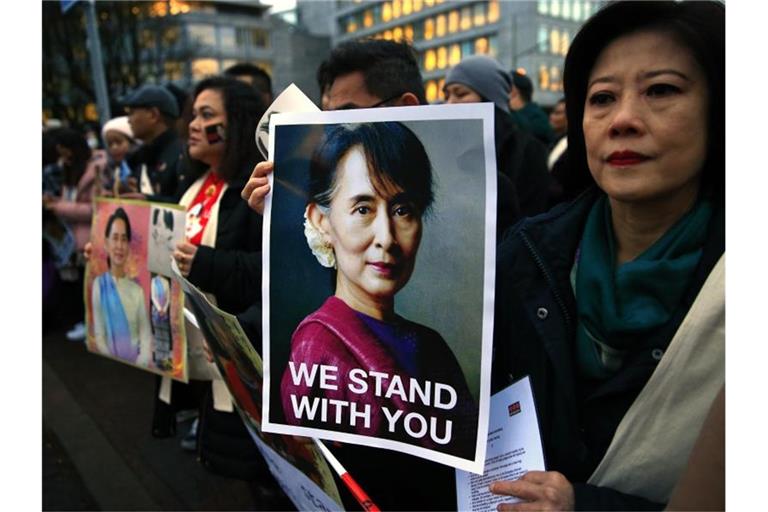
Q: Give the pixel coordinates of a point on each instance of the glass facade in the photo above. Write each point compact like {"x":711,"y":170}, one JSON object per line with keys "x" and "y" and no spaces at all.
{"x":446,"y":32}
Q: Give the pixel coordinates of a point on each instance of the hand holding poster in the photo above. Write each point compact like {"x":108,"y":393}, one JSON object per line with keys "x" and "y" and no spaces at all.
{"x":134,"y":312}
{"x":357,"y":196}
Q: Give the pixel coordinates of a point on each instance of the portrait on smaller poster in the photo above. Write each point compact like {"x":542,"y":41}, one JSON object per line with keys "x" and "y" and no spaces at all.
{"x":379,"y":251}
{"x":133,"y":315}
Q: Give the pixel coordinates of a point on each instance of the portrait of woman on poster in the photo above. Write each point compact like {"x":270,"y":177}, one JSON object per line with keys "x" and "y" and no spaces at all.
{"x":370,"y":187}
{"x":120,"y":320}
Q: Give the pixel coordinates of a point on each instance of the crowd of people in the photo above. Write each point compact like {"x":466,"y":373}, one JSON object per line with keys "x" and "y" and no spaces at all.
{"x":610,"y":257}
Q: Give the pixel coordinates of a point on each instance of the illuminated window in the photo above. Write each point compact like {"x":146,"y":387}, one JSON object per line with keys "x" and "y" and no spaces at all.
{"x":554,"y":79}
{"x":543,"y":77}
{"x":397,"y":33}
{"x":431,"y":91}
{"x":554,"y":7}
{"x":554,"y":41}
{"x":440,"y":87}
{"x":227,"y":37}
{"x":493,"y":46}
{"x":466,"y":18}
{"x":543,"y":6}
{"x":467,"y":48}
{"x":567,"y":9}
{"x":430,"y":60}
{"x":429,"y":3}
{"x":202,"y":68}
{"x":179,"y":7}
{"x":397,"y":8}
{"x":407,"y":7}
{"x":386,"y":12}
{"x":259,"y":38}
{"x":442,"y":57}
{"x":147,"y":38}
{"x":417,"y":5}
{"x":203,"y":35}
{"x":481,"y":45}
{"x":171,"y":35}
{"x":479,"y":15}
{"x":388,"y":35}
{"x":408,"y":32}
{"x":351,"y":24}
{"x":565,"y":41}
{"x":440,"y":25}
{"x":576,"y":10}
{"x":429,"y":28}
{"x":543,"y":38}
{"x":453,"y":22}
{"x":368,"y":18}
{"x":493,"y":11}
{"x":173,"y":70}
{"x":158,"y":9}
{"x":454,"y":56}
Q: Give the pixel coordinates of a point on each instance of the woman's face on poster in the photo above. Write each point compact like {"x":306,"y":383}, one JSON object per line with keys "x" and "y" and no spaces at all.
{"x":375,"y":238}
{"x":117,"y":243}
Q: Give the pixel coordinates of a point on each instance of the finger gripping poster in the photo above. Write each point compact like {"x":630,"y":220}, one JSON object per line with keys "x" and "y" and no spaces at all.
{"x":379,"y":255}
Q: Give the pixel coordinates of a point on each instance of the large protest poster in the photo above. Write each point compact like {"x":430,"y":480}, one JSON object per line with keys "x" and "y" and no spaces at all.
{"x":297,"y":464}
{"x":134,"y":309}
{"x":379,"y":251}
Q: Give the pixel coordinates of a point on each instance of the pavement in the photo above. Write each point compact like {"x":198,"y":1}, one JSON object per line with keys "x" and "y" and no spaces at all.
{"x":99,"y":454}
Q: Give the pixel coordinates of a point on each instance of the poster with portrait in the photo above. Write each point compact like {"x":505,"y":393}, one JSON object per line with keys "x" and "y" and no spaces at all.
{"x":296,"y":463}
{"x":134,"y":312}
{"x":379,"y":253}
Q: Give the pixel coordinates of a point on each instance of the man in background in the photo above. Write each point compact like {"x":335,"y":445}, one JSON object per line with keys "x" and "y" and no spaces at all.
{"x":254,"y":76}
{"x":152,"y":112}
{"x":528,"y":115}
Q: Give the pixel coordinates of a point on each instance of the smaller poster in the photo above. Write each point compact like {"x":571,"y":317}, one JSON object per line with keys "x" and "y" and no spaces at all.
{"x":134,"y":310}
{"x":295,"y":462}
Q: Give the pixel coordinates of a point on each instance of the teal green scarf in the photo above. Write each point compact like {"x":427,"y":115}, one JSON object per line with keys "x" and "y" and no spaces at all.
{"x":618,"y":307}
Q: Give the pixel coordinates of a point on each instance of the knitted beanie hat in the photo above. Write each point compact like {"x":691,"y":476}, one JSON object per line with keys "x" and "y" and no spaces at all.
{"x":118,"y":124}
{"x":483,"y":75}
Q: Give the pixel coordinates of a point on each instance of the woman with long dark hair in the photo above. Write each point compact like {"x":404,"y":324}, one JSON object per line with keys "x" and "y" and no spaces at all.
{"x":221,"y":251}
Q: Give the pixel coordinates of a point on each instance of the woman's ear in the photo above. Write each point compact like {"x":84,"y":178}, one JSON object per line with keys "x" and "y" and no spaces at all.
{"x":319,"y":221}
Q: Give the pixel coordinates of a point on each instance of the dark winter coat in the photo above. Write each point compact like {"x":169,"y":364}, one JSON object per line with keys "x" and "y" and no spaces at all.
{"x":535,"y":335}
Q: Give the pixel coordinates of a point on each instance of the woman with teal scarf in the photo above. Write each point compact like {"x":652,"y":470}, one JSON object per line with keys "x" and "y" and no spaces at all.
{"x":120,"y":320}
{"x":614,"y":303}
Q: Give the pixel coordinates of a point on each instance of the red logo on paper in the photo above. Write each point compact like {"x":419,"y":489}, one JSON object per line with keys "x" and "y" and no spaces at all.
{"x":513,"y":408}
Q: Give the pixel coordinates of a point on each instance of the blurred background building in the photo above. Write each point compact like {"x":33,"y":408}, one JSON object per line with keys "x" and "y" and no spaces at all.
{"x":166,"y":41}
{"x":183,"y":41}
{"x":531,"y":35}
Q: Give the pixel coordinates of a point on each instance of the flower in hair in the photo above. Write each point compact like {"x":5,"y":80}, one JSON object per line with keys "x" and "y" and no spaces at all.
{"x":322,"y":250}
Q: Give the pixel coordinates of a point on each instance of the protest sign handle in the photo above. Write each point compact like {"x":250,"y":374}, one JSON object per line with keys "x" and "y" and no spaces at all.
{"x":357,"y":491}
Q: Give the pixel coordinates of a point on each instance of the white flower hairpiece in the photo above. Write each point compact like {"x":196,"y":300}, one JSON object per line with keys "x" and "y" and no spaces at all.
{"x":322,"y":250}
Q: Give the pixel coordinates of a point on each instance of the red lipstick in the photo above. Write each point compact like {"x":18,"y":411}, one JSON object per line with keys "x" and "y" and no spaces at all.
{"x":385,"y":269}
{"x":625,"y":157}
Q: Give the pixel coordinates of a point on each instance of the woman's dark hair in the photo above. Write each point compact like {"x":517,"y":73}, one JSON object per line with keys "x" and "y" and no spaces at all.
{"x":395,"y":156}
{"x":243,"y":108}
{"x":697,"y":25}
{"x":118,"y":214}
{"x":75,"y":142}
{"x":167,"y":218}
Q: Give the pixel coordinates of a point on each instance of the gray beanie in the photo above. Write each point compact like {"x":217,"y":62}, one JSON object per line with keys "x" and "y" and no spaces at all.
{"x":483,"y":75}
